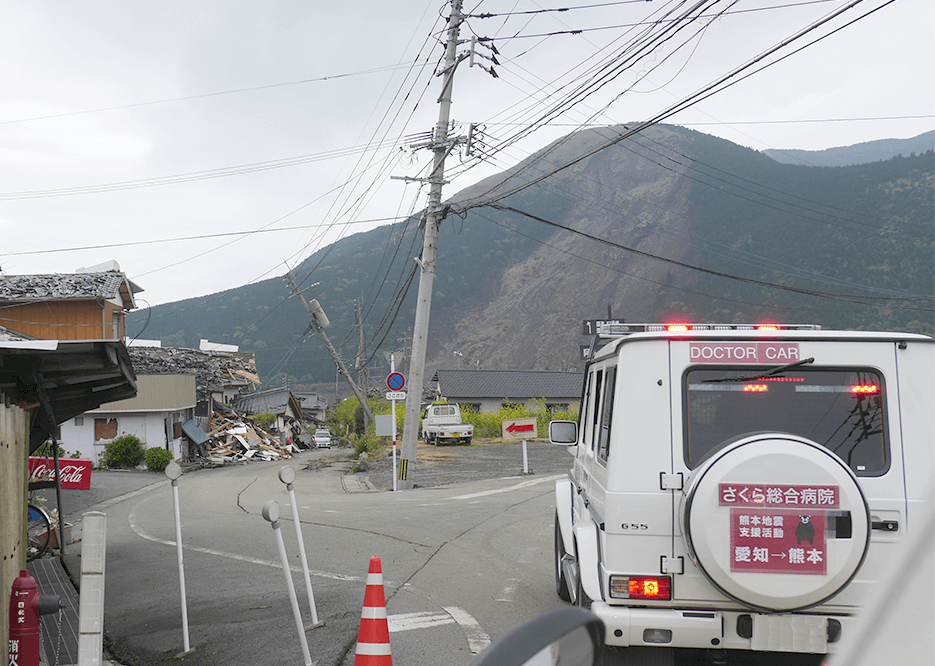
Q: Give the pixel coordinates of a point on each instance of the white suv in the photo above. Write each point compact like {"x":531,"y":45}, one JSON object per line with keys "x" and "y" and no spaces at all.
{"x":322,"y":438}
{"x":742,"y":488}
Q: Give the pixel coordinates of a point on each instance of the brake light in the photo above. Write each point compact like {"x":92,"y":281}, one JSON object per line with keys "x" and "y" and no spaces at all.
{"x":865,"y":389}
{"x":755,"y":388}
{"x":649,"y":587}
{"x":641,"y":587}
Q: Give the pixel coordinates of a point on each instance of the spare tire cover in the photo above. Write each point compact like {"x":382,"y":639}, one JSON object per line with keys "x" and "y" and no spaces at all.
{"x":776,"y":522}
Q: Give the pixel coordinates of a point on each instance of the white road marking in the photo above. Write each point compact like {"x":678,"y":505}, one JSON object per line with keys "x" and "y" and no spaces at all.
{"x":518,"y":486}
{"x":234,"y":556}
{"x":408,"y":621}
{"x":477,"y":638}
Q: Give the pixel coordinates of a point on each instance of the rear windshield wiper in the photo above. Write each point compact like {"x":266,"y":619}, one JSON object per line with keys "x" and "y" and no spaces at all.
{"x":771,"y":371}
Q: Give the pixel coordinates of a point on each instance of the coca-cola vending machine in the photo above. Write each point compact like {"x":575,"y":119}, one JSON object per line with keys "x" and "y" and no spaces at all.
{"x":76,"y":472}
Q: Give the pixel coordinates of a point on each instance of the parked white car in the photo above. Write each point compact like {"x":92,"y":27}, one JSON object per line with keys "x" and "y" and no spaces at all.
{"x":737,"y":488}
{"x":322,"y":438}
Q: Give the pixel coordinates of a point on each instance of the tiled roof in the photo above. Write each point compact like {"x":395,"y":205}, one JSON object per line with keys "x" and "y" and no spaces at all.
{"x":310,"y":400}
{"x":514,"y":384}
{"x":104,"y":285}
{"x":271,"y":401}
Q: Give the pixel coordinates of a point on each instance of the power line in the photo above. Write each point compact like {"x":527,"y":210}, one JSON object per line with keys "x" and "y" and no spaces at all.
{"x":615,"y":269}
{"x":571,"y":189}
{"x":705,"y":92}
{"x":851,"y":298}
{"x":173,"y":179}
{"x":177,"y":239}
{"x":236,"y":91}
{"x":554,"y":10}
{"x":578,"y":31}
{"x":809,"y":120}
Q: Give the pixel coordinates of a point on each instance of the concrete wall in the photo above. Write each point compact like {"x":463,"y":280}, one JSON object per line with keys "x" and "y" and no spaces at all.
{"x":14,"y":451}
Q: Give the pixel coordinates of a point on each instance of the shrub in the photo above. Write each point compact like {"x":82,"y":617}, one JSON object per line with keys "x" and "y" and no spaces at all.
{"x":348,"y":416}
{"x":125,"y":451}
{"x":368,"y":442}
{"x":157,"y":459}
{"x":45,"y":450}
{"x":488,"y":425}
{"x":264,"y":420}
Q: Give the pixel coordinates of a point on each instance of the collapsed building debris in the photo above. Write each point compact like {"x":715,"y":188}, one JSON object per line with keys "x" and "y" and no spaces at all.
{"x":221,"y":434}
{"x":220,"y":374}
{"x":236,"y":438}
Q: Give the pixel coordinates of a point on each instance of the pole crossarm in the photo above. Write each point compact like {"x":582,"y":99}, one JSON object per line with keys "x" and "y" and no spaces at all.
{"x":442,"y":145}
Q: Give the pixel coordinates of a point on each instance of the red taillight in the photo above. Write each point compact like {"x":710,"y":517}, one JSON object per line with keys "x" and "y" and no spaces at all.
{"x":649,"y":587}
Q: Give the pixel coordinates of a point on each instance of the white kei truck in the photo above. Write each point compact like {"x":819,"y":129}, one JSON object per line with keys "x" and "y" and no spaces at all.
{"x":742,"y":487}
{"x":441,"y":423}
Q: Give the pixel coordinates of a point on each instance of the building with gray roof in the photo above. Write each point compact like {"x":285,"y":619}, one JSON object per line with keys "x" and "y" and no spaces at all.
{"x":488,"y":390}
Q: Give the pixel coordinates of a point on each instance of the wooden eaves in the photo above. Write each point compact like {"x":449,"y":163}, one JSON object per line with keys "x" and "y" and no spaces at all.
{"x":56,"y":380}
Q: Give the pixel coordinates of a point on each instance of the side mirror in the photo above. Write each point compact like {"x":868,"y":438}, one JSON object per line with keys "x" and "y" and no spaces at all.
{"x":563,"y":432}
{"x":570,"y":637}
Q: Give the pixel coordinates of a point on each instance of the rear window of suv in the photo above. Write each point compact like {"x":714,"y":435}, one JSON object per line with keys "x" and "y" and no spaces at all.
{"x":841,"y":409}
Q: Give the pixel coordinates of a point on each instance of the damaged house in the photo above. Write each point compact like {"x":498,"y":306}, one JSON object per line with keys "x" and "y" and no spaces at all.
{"x":223,"y":429}
{"x":90,"y":304}
{"x":211,"y":380}
{"x":182,"y":393}
{"x":278,"y":401}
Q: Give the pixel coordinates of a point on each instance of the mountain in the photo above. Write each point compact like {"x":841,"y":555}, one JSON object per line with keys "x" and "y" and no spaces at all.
{"x":667,"y":224}
{"x":859,"y":153}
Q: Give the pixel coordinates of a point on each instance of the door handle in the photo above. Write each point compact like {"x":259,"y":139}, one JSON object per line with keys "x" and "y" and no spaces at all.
{"x":885,"y":525}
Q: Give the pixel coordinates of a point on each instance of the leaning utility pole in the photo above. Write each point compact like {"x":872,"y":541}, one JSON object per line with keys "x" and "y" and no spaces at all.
{"x":441,"y":146}
{"x":359,"y":363}
{"x":319,"y":321}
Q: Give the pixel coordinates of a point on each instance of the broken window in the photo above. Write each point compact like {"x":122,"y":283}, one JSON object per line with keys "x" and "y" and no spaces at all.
{"x":105,"y":429}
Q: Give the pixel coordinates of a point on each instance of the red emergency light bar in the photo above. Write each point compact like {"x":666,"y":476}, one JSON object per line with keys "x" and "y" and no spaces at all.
{"x":865,"y":389}
{"x":616,"y":329}
{"x":781,"y":379}
{"x":755,"y":388}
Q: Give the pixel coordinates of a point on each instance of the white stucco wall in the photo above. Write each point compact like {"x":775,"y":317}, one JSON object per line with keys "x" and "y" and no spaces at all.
{"x":149,"y":427}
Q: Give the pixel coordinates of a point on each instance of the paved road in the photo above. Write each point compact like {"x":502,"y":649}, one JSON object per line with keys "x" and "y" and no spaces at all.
{"x":465,"y":556}
{"x":446,"y":465}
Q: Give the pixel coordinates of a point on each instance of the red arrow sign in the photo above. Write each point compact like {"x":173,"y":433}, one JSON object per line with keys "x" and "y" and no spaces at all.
{"x":520,"y":428}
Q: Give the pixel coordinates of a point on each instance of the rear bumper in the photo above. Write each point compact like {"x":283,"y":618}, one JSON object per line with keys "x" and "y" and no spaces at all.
{"x":737,"y":630}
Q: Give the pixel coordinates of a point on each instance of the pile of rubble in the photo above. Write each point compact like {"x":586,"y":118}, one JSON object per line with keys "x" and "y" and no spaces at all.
{"x":213,"y":370}
{"x":238,"y":438}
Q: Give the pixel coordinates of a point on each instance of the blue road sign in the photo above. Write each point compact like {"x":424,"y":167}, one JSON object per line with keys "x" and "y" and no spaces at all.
{"x":395,"y":381}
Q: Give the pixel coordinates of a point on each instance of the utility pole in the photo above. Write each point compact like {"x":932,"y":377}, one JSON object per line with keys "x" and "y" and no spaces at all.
{"x":434,"y":214}
{"x":319,"y":321}
{"x":359,"y":364}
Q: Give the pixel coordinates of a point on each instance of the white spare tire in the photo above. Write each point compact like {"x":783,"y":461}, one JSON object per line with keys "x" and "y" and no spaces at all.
{"x":775,"y":522}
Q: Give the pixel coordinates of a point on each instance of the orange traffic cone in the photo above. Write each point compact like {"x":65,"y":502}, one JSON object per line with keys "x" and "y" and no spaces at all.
{"x":373,"y":641}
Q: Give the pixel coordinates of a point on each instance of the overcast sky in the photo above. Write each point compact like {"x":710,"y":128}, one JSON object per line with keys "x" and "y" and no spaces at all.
{"x":120,"y":122}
